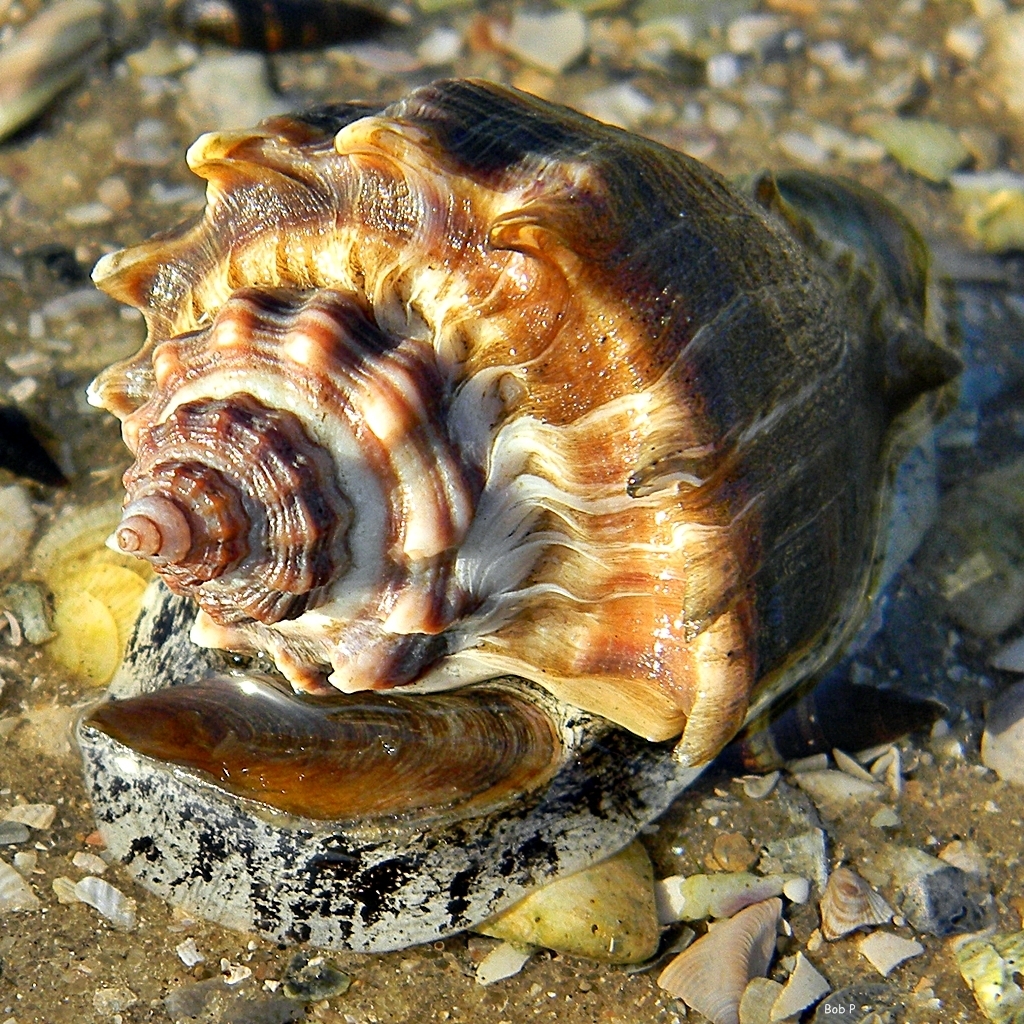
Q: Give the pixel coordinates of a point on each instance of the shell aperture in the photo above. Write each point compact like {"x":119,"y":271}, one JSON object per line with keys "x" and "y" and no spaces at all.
{"x":576,"y":409}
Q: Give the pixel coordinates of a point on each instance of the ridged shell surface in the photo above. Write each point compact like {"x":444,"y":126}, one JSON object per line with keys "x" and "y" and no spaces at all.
{"x":475,"y":385}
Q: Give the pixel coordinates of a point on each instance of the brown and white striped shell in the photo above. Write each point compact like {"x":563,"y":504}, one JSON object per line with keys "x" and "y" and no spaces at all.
{"x":476,"y":385}
{"x":470,"y":387}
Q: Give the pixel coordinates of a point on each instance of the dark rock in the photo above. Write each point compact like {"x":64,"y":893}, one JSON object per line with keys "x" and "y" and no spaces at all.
{"x":941,"y":903}
{"x":310,"y":979}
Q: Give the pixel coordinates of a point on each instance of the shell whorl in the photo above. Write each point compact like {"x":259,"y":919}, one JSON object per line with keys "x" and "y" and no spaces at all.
{"x":586,"y":409}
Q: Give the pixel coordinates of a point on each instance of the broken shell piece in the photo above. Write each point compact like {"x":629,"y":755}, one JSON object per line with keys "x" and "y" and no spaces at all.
{"x":117,"y":908}
{"x":711,"y":975}
{"x":833,"y":792}
{"x":991,"y":966}
{"x":503,"y":961}
{"x":884,"y":951}
{"x":849,"y":903}
{"x":605,"y":912}
{"x":804,"y":988}
{"x":37,"y":816}
{"x":698,"y":897}
{"x":15,"y":893}
{"x":758,"y":999}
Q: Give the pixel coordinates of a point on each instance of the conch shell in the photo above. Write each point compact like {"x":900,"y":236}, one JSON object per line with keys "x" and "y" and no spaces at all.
{"x":475,"y":386}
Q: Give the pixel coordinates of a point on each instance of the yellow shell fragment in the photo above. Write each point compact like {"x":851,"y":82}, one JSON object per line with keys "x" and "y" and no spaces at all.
{"x":605,"y":912}
{"x":991,"y":966}
{"x":97,"y":592}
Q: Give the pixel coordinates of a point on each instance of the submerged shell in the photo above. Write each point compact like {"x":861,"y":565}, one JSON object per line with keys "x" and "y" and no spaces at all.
{"x":474,"y":386}
{"x":710,"y":975}
{"x":849,"y":904}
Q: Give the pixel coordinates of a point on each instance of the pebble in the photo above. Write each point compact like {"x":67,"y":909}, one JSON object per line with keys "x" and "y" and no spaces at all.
{"x":621,"y":104}
{"x":162,"y":57}
{"x":25,"y":862}
{"x":1004,"y":60}
{"x":64,"y":889}
{"x":1010,"y":657}
{"x":86,"y":215}
{"x":89,"y":862}
{"x":17,"y":524}
{"x":109,"y":1001}
{"x":15,"y":893}
{"x":229,"y":90}
{"x":188,"y":953}
{"x":440,"y":46}
{"x":549,"y":41}
{"x":941,"y":903}
{"x":12,"y":833}
{"x":504,"y":961}
{"x":884,"y":950}
{"x":758,"y":999}
{"x":35,"y":816}
{"x":837,"y":62}
{"x":886,"y":817}
{"x":965,"y":855}
{"x":312,"y":978}
{"x":927,"y":148}
{"x":752,"y":33}
{"x":151,"y":144}
{"x":804,"y":855}
{"x":1002,"y":742}
{"x":732,"y":851}
{"x":966,"y":40}
{"x":722,"y":70}
{"x":117,"y":908}
{"x":723,"y":118}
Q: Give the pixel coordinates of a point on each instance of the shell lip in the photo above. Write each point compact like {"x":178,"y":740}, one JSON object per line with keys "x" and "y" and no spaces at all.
{"x":112,"y":723}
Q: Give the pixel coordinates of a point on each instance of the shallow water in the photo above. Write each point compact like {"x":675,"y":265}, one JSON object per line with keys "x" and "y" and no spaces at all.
{"x":120,"y":135}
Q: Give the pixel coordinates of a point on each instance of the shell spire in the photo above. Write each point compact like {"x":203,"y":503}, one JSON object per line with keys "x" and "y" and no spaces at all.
{"x":476,"y":385}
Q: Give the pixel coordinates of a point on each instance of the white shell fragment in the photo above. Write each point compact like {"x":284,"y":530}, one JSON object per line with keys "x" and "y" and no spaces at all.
{"x":804,"y":988}
{"x":849,"y":904}
{"x":884,"y":950}
{"x":697,"y":897}
{"x":188,"y":953}
{"x":502,"y":962}
{"x":834,"y":791}
{"x":1009,"y":657}
{"x":711,"y":975}
{"x":15,"y":892}
{"x":549,"y":41}
{"x":17,"y":523}
{"x":117,"y":908}
{"x":757,"y":787}
{"x":37,"y":816}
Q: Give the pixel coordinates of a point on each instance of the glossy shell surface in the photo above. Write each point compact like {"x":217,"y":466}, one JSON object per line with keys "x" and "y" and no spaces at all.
{"x":475,"y":387}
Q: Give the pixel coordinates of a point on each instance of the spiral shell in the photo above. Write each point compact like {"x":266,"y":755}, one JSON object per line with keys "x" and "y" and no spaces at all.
{"x":475,"y":385}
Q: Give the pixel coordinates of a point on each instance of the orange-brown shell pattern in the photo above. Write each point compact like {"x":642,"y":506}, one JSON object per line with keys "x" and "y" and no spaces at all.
{"x":475,"y":385}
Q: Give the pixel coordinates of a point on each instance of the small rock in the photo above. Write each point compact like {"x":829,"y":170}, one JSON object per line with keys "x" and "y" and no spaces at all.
{"x":549,"y":41}
{"x":162,"y":57}
{"x":64,"y":889}
{"x":805,"y":855}
{"x":928,"y":148}
{"x":993,"y":206}
{"x":732,"y":851}
{"x":884,"y":950}
{"x":312,"y":978}
{"x":109,"y":1001}
{"x":722,"y":70}
{"x":28,"y":604}
{"x":885,"y":818}
{"x":621,"y":104}
{"x":12,"y":833}
{"x":752,"y":33}
{"x":966,"y":40}
{"x":230,"y":90}
{"x":89,"y":862}
{"x":15,"y":894}
{"x":25,"y":862}
{"x":440,"y":46}
{"x":1010,"y":657}
{"x":941,"y":903}
{"x":86,"y":215}
{"x":504,"y":961}
{"x":1002,"y":743}
{"x":35,"y":816}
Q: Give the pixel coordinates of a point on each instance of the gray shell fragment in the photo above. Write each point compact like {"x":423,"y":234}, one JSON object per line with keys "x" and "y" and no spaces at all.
{"x":377,"y":885}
